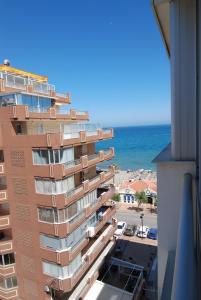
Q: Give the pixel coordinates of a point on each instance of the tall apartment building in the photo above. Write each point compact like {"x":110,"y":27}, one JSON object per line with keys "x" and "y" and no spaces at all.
{"x":56,"y":215}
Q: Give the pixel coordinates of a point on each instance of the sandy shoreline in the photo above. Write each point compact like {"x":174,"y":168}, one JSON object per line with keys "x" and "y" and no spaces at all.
{"x":142,"y":174}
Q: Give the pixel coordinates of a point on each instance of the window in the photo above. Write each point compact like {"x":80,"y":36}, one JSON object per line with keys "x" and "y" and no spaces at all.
{"x":8,"y":283}
{"x":67,"y":243}
{"x":47,"y":215}
{"x":7,"y":259}
{"x":58,"y":271}
{"x":72,"y":210}
{"x":55,"y":156}
{"x":69,"y":213}
{"x":18,"y":128}
{"x":92,"y":221}
{"x":47,"y":186}
{"x":35,"y":103}
{"x":50,"y":242}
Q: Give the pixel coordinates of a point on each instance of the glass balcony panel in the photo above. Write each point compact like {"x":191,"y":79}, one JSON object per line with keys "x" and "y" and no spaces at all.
{"x":74,"y":191}
{"x":15,"y":81}
{"x":81,"y":113}
{"x":72,"y":135}
{"x":62,"y":109}
{"x":77,"y":217}
{"x":43,"y":88}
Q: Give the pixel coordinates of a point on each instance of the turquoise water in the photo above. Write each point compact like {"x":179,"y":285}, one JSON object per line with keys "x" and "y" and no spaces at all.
{"x":136,"y":147}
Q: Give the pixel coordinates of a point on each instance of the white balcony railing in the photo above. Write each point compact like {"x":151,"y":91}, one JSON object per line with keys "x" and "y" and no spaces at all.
{"x":43,"y":88}
{"x":185,"y":273}
{"x":21,"y":83}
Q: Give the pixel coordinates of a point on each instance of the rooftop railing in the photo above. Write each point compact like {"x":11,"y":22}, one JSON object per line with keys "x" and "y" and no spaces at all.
{"x":14,"y":81}
{"x":21,"y":83}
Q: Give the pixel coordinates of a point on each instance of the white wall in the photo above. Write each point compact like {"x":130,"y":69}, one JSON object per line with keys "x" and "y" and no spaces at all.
{"x":170,"y":191}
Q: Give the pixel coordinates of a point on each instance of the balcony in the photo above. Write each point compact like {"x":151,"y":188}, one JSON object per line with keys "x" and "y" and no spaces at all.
{"x":60,"y":170}
{"x":6,"y":245}
{"x":11,"y":293}
{"x":89,"y":256}
{"x":4,"y":220}
{"x":2,"y":168}
{"x":107,"y":213}
{"x":96,"y":246}
{"x":54,"y":137}
{"x":7,"y":270}
{"x":65,"y":256}
{"x":64,"y":228}
{"x":88,"y":185}
{"x":62,"y":200}
{"x":102,"y":199}
{"x":11,"y":83}
{"x":3,"y":194}
{"x":24,"y":112}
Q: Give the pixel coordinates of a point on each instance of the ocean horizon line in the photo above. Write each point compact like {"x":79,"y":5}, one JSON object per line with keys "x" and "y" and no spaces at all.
{"x":136,"y":146}
{"x":131,"y":126}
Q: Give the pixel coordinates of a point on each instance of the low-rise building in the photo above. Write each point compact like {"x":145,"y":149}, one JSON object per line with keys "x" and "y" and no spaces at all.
{"x":128,"y":189}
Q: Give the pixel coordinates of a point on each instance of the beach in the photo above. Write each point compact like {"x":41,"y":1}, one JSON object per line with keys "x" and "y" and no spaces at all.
{"x":139,"y":174}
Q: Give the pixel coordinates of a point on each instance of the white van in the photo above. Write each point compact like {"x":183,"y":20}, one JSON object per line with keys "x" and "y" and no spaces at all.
{"x":143,"y":231}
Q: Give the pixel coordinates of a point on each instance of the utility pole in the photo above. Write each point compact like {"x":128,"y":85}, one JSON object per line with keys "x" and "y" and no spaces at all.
{"x":141,"y":217}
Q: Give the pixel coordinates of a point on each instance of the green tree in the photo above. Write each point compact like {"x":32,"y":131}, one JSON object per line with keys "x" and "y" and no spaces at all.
{"x":116,"y":197}
{"x":141,"y":198}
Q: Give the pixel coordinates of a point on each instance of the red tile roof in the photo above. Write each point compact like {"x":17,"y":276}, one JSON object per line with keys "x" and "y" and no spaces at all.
{"x":139,"y":185}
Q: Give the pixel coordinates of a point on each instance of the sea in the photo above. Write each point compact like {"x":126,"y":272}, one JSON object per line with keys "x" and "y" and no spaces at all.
{"x":136,"y":146}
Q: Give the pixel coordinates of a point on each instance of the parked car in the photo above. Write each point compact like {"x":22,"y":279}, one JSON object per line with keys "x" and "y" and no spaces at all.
{"x":152,"y":233}
{"x":143,"y":231}
{"x":130,"y":230}
{"x":121,"y":227}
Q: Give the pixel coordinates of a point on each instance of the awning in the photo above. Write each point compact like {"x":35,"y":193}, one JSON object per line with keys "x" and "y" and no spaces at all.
{"x":161,"y":10}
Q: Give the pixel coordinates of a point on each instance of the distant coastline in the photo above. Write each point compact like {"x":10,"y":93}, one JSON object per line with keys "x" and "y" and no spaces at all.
{"x":136,"y":146}
{"x":136,"y":125}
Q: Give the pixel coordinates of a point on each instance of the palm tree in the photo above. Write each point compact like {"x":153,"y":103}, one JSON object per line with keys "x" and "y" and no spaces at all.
{"x":116,"y":197}
{"x":116,"y":168}
{"x":141,"y":198}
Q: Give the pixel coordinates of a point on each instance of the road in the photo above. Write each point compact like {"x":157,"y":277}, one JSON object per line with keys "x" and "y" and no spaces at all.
{"x":134,"y":218}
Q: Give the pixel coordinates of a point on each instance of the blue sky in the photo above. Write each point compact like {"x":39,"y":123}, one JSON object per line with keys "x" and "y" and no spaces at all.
{"x":107,"y":53}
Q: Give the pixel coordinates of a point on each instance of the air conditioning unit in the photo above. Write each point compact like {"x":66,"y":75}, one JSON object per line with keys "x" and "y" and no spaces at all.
{"x":46,"y":289}
{"x":91,"y":231}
